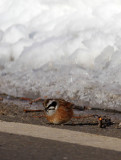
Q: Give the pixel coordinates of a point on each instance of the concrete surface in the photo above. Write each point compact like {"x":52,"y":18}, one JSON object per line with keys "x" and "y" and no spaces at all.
{"x":17,"y":147}
{"x":61,"y":135}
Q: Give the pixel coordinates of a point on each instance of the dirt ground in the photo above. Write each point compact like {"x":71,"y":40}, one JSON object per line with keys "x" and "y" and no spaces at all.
{"x":13,"y":110}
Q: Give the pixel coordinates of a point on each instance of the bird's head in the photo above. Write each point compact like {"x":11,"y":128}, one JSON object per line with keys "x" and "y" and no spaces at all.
{"x":51,"y":106}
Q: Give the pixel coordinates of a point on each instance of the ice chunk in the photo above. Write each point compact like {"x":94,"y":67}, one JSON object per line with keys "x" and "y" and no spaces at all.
{"x":1,"y":35}
{"x":103,"y":60}
{"x":5,"y":54}
{"x":14,"y":34}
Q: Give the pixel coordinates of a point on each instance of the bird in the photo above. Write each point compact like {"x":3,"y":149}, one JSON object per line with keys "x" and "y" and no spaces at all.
{"x":58,"y":111}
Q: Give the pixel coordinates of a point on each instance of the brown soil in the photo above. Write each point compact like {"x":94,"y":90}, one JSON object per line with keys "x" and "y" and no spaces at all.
{"x":11,"y":110}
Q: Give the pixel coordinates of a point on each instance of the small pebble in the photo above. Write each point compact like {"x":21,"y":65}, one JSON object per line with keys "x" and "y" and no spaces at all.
{"x":120,"y":124}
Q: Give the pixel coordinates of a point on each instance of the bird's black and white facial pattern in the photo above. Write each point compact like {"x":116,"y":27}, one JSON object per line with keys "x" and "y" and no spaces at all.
{"x":51,"y":107}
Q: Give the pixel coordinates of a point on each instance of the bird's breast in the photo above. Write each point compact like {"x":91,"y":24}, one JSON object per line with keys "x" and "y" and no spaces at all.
{"x":61,"y":115}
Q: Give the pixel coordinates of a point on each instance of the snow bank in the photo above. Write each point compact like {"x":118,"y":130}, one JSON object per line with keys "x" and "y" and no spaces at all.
{"x":62,"y":48}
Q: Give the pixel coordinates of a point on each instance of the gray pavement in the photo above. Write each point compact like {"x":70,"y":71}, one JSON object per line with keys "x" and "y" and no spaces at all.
{"x":17,"y":147}
{"x":62,"y":135}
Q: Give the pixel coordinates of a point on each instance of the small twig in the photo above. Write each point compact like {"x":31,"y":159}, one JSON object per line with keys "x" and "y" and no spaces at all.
{"x":30,"y":110}
{"x":35,"y":100}
{"x":78,"y":117}
{"x":1,"y":99}
{"x":26,"y":99}
{"x":38,"y":116}
{"x":100,"y":122}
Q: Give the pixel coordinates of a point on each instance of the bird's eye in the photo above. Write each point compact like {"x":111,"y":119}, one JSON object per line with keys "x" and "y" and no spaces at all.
{"x":54,"y":103}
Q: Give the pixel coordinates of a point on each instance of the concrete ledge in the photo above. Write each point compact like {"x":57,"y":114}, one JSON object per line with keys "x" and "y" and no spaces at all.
{"x":61,"y":135}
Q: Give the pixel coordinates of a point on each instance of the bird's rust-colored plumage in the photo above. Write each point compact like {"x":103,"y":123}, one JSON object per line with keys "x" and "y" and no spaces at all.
{"x":62,"y":114}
